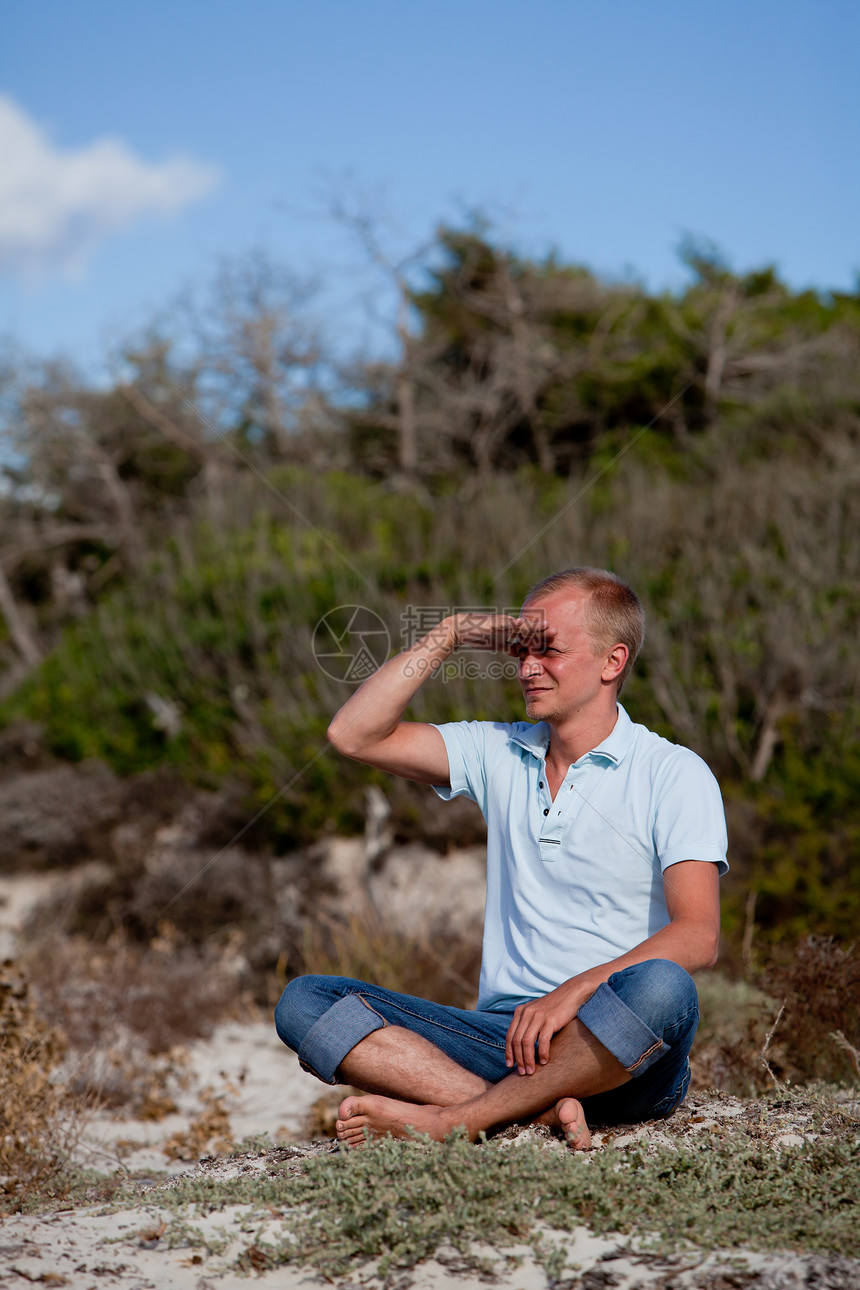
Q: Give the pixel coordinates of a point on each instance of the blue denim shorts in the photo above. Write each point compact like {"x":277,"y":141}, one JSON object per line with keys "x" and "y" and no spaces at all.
{"x":645,"y":1015}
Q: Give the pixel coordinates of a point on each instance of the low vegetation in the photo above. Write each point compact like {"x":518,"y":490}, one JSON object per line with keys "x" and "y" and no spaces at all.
{"x":392,"y":1201}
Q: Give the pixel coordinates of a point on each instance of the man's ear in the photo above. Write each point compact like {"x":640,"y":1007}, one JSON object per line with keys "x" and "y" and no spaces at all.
{"x":615,"y":662}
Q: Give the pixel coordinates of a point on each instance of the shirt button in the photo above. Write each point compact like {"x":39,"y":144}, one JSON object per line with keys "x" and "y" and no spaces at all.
{"x":540,"y":783}
{"x":546,"y":812}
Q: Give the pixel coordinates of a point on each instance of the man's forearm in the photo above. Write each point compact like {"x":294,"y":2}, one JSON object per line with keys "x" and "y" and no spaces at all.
{"x":377,"y":707}
{"x":687,"y":942}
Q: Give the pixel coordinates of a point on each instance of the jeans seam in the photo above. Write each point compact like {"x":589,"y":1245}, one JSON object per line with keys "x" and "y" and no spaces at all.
{"x":354,"y":994}
{"x":681,"y":1021}
{"x":685,"y":1083}
{"x":660,"y":1043}
{"x":454,"y":1030}
{"x":311,"y":1070}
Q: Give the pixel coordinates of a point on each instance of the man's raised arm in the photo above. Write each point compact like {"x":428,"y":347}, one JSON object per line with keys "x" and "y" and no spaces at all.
{"x":369,"y":726}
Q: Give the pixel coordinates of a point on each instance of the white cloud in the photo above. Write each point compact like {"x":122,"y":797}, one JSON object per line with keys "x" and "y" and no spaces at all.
{"x":56,"y":207}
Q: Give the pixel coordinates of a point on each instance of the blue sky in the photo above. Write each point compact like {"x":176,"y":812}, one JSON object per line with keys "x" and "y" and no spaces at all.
{"x":606,"y":130}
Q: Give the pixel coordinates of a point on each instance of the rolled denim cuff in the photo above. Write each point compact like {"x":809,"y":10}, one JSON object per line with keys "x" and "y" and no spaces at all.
{"x":626,"y":1036}
{"x":335,"y":1034}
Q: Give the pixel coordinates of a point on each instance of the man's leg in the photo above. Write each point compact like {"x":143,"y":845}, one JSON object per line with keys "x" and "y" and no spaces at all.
{"x":579,"y":1066}
{"x":404,"y":1065}
{"x":409,"y":1048}
{"x":616,"y":1041}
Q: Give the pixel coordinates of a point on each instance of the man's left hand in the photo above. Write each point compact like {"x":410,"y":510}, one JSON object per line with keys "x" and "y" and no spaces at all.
{"x":535,"y":1023}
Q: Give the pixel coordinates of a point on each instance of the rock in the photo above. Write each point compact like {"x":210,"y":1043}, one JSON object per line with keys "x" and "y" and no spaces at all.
{"x":58,"y":816}
{"x":420,"y":891}
{"x":411,"y":888}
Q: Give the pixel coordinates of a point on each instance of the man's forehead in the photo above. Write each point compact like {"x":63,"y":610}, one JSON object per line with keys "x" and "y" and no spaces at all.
{"x":558,"y":607}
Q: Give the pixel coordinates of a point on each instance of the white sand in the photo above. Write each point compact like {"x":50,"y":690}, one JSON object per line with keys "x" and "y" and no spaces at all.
{"x":89,"y":1250}
{"x":259,"y":1081}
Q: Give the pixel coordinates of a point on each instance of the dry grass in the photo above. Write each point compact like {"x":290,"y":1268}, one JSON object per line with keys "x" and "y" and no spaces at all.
{"x":127,"y":1011}
{"x":209,"y":1132}
{"x":40,"y":1119}
{"x":798,"y":1023}
{"x":322,"y":1117}
{"x":431,"y":966}
{"x":819,"y":984}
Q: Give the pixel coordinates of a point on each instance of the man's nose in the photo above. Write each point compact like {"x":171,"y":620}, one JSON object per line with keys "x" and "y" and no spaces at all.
{"x":529,"y":665}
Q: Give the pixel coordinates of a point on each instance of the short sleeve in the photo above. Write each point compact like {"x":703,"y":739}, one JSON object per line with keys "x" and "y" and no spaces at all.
{"x":689,"y":819}
{"x":465,"y":745}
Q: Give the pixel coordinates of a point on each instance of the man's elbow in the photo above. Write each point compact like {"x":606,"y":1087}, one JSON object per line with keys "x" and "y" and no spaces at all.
{"x":709,"y":945}
{"x":701,"y":945}
{"x":338,"y":735}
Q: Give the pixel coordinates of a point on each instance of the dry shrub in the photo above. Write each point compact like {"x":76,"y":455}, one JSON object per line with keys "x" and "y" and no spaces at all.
{"x":40,"y":1121}
{"x":734,"y":1020}
{"x":231,"y":909}
{"x":802,"y":1015}
{"x":208,"y":1132}
{"x":820,"y":986}
{"x":431,"y":966}
{"x":127,"y":1011}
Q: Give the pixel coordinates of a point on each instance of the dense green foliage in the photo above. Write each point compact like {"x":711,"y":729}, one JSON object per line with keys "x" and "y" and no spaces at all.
{"x":702,"y":444}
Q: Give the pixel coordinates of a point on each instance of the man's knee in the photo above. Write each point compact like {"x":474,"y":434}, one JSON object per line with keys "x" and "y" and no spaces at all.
{"x":303,"y":1002}
{"x":661,"y":993}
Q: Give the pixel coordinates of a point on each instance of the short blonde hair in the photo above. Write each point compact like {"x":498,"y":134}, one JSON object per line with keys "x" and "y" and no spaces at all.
{"x":614,"y":612}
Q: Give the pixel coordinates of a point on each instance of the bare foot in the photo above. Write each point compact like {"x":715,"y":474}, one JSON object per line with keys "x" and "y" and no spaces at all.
{"x":568,"y":1116}
{"x":372,"y":1116}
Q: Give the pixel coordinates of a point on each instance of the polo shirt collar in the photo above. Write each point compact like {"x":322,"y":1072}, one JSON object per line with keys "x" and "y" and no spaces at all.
{"x":535,"y":739}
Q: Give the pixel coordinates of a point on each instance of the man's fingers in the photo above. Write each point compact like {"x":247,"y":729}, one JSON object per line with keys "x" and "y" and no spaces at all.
{"x":517,"y":1052}
{"x":528,"y":1040}
{"x":524,"y":1047}
{"x":512,"y":1050}
{"x":514,"y":1044}
{"x":530,"y":633}
{"x":485,"y":631}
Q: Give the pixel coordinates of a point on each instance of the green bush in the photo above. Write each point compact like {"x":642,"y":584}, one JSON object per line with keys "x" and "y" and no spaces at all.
{"x":746,"y":661}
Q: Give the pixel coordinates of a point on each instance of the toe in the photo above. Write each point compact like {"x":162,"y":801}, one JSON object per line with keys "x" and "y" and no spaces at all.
{"x":572,"y":1120}
{"x":354,"y":1137}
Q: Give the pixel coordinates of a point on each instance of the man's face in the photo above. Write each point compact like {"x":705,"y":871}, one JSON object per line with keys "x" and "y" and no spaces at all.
{"x":562,"y":675}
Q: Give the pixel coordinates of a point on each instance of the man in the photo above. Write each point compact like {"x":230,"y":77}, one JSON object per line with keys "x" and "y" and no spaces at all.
{"x":605,"y":844}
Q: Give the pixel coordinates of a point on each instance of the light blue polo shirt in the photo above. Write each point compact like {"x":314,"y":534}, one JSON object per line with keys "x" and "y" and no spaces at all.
{"x":576,"y":882}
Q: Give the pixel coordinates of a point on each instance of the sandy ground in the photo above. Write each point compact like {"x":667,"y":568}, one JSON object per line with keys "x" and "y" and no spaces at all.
{"x":123,"y":1250}
{"x":260,"y":1083}
{"x":263,"y":1091}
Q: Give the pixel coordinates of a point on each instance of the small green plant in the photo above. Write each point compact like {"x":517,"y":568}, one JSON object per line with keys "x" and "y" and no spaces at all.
{"x":399,"y":1201}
